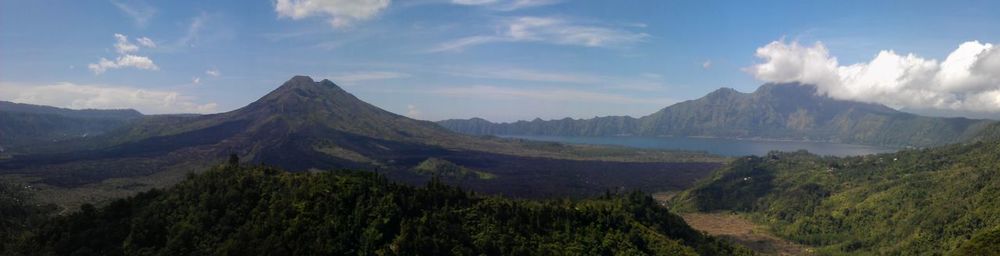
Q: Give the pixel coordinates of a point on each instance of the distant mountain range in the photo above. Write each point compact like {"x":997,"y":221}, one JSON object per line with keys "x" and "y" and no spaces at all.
{"x":773,"y":111}
{"x":307,"y":125}
{"x":26,"y":124}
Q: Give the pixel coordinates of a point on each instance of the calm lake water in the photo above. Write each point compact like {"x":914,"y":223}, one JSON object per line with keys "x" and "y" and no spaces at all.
{"x":726,"y":147}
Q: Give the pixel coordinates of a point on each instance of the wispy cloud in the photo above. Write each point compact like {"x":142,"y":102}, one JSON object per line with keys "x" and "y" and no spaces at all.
{"x":125,"y":58}
{"x":520,"y":74}
{"x":506,"y":5}
{"x":213,"y":72}
{"x":139,"y":12}
{"x":548,"y":30}
{"x":80,"y":96}
{"x":548,"y":95}
{"x":641,"y":82}
{"x":193,"y":30}
{"x":352,"y":78}
{"x":465,"y":42}
{"x":146,"y":42}
{"x":341,"y":13}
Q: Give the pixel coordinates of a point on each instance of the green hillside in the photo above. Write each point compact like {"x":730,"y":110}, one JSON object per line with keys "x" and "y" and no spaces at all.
{"x":928,"y":201}
{"x":234,"y":210}
{"x":774,"y":111}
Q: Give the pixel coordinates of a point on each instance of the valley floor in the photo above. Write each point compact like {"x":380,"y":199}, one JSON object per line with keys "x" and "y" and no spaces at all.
{"x":737,"y":229}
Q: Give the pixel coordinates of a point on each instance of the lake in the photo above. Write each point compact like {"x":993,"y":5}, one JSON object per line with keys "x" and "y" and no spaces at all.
{"x":726,"y":147}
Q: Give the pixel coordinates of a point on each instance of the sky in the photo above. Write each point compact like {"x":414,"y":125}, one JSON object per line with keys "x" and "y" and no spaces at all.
{"x":503,"y":60}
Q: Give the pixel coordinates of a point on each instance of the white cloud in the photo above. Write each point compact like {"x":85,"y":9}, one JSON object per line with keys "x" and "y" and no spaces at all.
{"x":968,"y":80}
{"x":213,"y":72}
{"x":548,"y":30}
{"x":140,"y":13}
{"x":124,"y":48}
{"x":342,"y":13}
{"x":545,"y":95}
{"x":707,"y":64}
{"x":146,"y":42}
{"x":354,"y":77}
{"x":506,"y":5}
{"x":128,"y":60}
{"x":196,"y":80}
{"x":412,"y":111}
{"x":79,"y":96}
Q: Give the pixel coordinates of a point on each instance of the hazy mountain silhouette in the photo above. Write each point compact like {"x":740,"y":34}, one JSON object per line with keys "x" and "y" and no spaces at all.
{"x":27,"y":124}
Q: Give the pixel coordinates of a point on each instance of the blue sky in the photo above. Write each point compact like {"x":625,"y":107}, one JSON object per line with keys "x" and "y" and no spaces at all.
{"x":502,"y":60}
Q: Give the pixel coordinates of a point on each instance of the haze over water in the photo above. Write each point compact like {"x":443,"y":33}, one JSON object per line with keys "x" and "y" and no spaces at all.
{"x":720,"y":146}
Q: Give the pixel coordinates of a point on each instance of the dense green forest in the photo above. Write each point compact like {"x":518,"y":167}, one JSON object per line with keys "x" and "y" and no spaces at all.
{"x":928,"y":201}
{"x":234,"y":210}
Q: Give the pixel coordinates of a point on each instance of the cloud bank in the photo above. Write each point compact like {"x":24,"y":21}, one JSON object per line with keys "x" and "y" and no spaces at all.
{"x":77,"y":96}
{"x":342,"y":13}
{"x":967,"y":81}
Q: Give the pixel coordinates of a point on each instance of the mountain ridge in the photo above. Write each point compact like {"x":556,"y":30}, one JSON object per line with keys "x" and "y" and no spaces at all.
{"x":8,"y":106}
{"x":25,"y":125}
{"x":772,"y":111}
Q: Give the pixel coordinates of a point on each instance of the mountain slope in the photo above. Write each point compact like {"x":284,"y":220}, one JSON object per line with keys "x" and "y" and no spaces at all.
{"x":26,"y":124}
{"x":774,"y":111}
{"x":928,"y":201}
{"x":305,"y":125}
{"x":234,"y":210}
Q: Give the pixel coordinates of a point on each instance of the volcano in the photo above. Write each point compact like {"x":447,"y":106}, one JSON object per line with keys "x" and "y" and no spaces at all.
{"x":305,"y":125}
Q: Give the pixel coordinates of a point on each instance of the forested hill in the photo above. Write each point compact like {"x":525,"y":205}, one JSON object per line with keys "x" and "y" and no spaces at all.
{"x":234,"y":210}
{"x":929,"y":201}
{"x":773,"y":111}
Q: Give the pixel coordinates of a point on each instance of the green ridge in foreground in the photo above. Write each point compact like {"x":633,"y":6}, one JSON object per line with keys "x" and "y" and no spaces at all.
{"x":914,"y":202}
{"x":234,"y":210}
